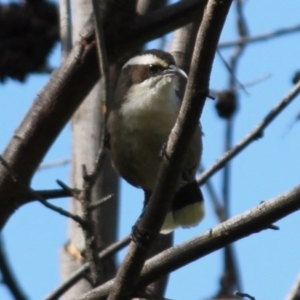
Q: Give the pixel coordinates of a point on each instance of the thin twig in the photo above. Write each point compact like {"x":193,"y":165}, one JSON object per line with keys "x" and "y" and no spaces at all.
{"x":260,"y":37}
{"x":255,"y":134}
{"x":77,"y":275}
{"x":218,"y":207}
{"x":57,"y":209}
{"x":44,"y":70}
{"x":34,"y":195}
{"x":246,"y":84}
{"x":233,"y":76}
{"x":8,"y":277}
{"x":273,"y":227}
{"x":226,"y":179}
{"x":51,"y":194}
{"x":51,"y":164}
{"x":197,"y":90}
{"x":64,"y":186}
{"x":98,"y":203}
{"x":243,"y":295}
{"x":230,"y":278}
{"x":104,"y":70}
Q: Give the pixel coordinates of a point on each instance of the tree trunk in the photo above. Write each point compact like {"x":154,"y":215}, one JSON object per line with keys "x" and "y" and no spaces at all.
{"x":86,"y":140}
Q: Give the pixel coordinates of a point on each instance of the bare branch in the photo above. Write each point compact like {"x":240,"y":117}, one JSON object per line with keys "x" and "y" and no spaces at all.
{"x":76,"y":276}
{"x":56,"y":103}
{"x":66,"y":187}
{"x":57,"y":209}
{"x":230,"y":279}
{"x":218,"y":207}
{"x":103,"y":67}
{"x":260,"y":37}
{"x":232,"y":230}
{"x":51,"y":194}
{"x":246,"y":84}
{"x":193,"y":102}
{"x":8,"y":277}
{"x":34,"y":195}
{"x":252,"y":136}
{"x":52,"y":164}
{"x":96,"y":204}
{"x":243,"y":295}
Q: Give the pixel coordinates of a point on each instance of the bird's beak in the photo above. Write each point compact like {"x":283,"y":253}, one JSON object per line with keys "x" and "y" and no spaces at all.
{"x":173,"y":70}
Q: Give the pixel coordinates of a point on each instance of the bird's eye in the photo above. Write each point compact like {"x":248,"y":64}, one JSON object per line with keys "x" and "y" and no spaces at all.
{"x":154,"y":68}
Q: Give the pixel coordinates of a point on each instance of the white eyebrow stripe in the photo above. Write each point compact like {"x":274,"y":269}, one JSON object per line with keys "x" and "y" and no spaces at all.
{"x":145,"y":59}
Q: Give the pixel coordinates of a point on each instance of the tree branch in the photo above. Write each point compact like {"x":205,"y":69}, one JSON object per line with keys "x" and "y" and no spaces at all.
{"x":252,"y":136}
{"x":76,"y":276}
{"x":66,"y":89}
{"x":104,"y":70}
{"x":171,"y":165}
{"x":243,"y":295}
{"x":232,"y":230}
{"x":50,"y":194}
{"x":57,"y":209}
{"x":7,"y":276}
{"x":260,"y":37}
{"x":52,"y":164}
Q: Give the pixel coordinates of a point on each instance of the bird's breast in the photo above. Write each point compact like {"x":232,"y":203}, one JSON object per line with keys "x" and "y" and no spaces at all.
{"x":144,"y":127}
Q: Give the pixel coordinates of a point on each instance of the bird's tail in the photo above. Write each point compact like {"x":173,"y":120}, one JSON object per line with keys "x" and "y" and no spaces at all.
{"x":187,"y":208}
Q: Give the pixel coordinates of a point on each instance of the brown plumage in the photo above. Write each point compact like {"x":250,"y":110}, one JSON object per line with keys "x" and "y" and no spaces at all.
{"x":146,"y":109}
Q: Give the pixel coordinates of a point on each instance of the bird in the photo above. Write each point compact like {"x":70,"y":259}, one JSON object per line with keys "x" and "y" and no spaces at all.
{"x":144,"y":112}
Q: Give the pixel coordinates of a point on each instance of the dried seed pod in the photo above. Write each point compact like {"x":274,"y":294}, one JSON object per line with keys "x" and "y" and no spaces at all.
{"x":226,"y":104}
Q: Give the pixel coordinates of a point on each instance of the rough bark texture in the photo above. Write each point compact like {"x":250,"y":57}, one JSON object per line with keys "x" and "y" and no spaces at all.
{"x":250,"y":222}
{"x":68,"y":85}
{"x":86,"y":133}
{"x":197,"y":91}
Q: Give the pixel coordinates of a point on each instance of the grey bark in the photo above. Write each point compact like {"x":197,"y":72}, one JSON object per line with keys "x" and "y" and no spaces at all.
{"x":86,"y":133}
{"x":250,"y":222}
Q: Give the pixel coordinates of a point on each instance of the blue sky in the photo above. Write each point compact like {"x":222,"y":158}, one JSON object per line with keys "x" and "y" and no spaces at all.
{"x":268,"y":261}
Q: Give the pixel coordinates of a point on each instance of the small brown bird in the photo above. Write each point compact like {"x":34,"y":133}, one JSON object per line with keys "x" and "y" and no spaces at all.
{"x":145,"y":110}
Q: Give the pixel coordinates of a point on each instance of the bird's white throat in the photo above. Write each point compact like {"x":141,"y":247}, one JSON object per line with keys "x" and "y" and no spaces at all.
{"x":151,"y":104}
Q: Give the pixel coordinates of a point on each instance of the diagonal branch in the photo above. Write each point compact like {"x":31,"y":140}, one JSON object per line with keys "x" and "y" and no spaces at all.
{"x":77,"y":275}
{"x":252,"y":136}
{"x":252,"y":221}
{"x":8,"y":277}
{"x":171,"y":165}
{"x":58,"y":209}
{"x":260,"y":37}
{"x":50,"y":194}
{"x":104,"y":69}
{"x":56,"y":103}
